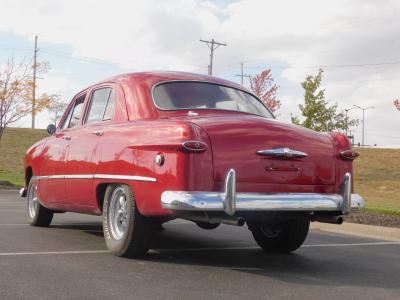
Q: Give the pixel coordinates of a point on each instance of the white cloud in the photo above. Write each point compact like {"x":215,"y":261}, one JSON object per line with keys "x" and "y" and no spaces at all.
{"x":139,"y":35}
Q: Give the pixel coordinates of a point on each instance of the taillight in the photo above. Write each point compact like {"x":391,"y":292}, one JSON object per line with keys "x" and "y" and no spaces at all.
{"x":194,"y":146}
{"x":349,"y":154}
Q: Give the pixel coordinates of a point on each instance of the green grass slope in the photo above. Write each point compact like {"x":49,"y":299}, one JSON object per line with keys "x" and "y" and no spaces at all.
{"x":13,"y":145}
{"x":377,"y":179}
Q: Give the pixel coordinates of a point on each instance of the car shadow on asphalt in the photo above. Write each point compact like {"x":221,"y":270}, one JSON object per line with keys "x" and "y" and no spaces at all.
{"x":90,"y":228}
{"x":337,"y":266}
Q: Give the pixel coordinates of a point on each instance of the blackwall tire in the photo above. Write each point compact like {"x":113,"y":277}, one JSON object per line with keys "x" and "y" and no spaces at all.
{"x":282,"y":238}
{"x":126,"y":232}
{"x":38,"y":215}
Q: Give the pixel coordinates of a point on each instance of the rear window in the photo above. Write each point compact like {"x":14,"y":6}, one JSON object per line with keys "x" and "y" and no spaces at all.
{"x":179,"y":95}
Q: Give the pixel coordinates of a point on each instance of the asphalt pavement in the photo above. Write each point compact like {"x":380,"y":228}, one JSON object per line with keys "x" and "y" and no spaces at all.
{"x":69,"y":260}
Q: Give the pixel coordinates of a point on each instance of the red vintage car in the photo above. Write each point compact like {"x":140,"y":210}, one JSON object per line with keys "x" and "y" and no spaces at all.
{"x":144,"y":148}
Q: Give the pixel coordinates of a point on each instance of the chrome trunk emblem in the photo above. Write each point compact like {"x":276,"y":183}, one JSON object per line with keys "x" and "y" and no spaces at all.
{"x":282,"y":153}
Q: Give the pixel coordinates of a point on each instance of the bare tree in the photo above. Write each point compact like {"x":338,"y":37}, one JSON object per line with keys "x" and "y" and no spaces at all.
{"x":56,"y":109}
{"x":16,"y":87}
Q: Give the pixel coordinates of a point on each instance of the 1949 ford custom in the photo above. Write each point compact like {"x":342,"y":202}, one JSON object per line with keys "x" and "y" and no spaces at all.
{"x":144,"y":148}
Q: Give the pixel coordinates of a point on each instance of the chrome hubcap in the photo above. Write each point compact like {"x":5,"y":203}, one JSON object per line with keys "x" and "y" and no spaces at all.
{"x":118,"y":213}
{"x":33,"y":202}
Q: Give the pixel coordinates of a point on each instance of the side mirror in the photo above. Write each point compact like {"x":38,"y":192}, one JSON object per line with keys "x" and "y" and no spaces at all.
{"x":51,"y":129}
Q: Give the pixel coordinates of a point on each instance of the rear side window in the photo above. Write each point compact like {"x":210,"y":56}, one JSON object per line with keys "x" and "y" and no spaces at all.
{"x":101,"y":105}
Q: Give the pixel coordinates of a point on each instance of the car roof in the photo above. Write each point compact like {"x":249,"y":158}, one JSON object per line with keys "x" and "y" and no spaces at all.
{"x":153,"y":77}
{"x":157,"y":76}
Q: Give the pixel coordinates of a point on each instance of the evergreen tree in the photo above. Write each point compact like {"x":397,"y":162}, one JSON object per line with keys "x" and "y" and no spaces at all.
{"x":318,"y":113}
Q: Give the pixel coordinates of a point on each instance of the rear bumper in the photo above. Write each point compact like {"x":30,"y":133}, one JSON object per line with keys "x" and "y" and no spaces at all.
{"x":230,"y":202}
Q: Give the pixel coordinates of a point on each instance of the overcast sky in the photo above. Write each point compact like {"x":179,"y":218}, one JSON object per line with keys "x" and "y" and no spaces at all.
{"x":355,"y":42}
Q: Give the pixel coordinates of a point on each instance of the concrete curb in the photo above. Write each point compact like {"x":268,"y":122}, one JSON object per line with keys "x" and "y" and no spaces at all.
{"x":5,"y":185}
{"x":8,"y":188}
{"x":369,"y":231}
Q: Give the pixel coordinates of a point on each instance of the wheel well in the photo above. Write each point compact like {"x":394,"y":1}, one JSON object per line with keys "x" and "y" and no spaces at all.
{"x":100,"y":193}
{"x":28,"y":175}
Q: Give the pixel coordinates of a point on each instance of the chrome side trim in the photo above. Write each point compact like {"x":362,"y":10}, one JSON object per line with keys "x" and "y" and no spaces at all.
{"x":78,"y":176}
{"x":282,"y":153}
{"x":49,"y":177}
{"x":124,"y":177}
{"x":97,"y":176}
{"x":229,"y":201}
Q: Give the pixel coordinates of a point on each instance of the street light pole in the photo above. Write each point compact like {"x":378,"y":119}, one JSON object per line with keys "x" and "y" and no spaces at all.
{"x":347,"y":121}
{"x":363,"y":121}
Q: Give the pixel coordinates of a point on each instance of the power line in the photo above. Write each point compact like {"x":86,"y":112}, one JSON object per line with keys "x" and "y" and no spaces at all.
{"x":318,"y":66}
{"x":212,"y":45}
{"x":85,"y":59}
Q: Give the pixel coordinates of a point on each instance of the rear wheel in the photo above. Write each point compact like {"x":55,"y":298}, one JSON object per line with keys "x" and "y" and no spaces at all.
{"x":281,"y":238}
{"x":127,"y":233}
{"x":206,"y":225}
{"x":38,"y":215}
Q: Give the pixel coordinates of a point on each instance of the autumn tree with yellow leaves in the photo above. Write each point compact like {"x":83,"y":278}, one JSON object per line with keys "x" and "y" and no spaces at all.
{"x":16,"y":87}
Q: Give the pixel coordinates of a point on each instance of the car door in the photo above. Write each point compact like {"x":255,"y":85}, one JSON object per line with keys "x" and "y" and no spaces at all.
{"x":52,"y":169}
{"x":84,"y":151}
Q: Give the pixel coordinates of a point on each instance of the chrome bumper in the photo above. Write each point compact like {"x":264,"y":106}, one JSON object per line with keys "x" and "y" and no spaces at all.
{"x":22,"y":192}
{"x":230,"y":202}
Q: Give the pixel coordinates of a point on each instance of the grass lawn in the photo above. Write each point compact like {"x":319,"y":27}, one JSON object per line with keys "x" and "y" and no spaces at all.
{"x":377,"y":179}
{"x":13,"y":145}
{"x":377,"y":171}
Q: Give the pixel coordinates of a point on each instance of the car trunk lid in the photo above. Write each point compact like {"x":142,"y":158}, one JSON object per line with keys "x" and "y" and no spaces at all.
{"x":287,"y":154}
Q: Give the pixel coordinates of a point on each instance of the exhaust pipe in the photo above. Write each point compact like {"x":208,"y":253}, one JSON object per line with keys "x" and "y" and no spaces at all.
{"x":215,"y":220}
{"x":235,"y":222}
{"x":338,"y":220}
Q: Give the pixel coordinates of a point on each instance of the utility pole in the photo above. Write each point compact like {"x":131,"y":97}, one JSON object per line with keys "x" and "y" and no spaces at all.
{"x":363,"y":122}
{"x":242,"y":75}
{"x":34,"y":83}
{"x":212,"y":45}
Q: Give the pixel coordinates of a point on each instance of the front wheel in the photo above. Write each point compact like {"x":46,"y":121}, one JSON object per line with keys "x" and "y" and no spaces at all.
{"x":127,"y":233}
{"x":38,"y":215}
{"x":281,"y":238}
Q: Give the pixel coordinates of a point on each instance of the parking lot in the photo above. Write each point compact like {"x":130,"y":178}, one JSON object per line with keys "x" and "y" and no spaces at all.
{"x":70,"y":260}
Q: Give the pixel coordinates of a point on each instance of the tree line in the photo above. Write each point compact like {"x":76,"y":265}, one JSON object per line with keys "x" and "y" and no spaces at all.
{"x":317,"y":113}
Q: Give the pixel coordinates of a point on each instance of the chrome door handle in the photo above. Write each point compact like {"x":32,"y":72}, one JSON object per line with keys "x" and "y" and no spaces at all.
{"x":98,"y":132}
{"x":66,"y":137}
